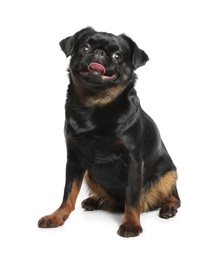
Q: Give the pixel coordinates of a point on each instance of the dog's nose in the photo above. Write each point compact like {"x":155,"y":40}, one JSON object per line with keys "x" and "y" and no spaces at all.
{"x":99,"y":52}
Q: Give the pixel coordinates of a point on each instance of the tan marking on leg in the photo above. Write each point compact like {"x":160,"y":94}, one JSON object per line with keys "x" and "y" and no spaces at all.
{"x":132,"y":214}
{"x":69,"y":205}
{"x":158,"y":192}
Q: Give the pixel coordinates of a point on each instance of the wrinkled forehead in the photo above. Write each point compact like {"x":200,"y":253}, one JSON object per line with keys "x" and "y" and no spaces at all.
{"x":107,"y":41}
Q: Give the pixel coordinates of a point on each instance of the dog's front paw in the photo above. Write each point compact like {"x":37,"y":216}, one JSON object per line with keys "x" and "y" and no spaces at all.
{"x":129,"y":230}
{"x":52,"y":221}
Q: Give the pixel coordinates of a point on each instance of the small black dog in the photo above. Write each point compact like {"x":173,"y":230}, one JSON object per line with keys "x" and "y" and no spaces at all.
{"x":111,"y":142}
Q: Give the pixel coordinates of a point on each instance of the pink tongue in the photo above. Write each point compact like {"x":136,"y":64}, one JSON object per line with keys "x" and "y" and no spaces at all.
{"x":94,"y":66}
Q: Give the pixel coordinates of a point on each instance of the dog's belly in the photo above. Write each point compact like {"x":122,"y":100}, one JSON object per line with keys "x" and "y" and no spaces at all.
{"x":104,"y":158}
{"x":111,"y":180}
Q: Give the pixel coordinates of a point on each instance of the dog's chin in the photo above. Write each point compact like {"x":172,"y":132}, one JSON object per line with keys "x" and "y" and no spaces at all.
{"x":94,"y":77}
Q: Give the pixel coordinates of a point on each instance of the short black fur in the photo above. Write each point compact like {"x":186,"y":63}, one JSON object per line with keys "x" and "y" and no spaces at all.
{"x":109,"y":138}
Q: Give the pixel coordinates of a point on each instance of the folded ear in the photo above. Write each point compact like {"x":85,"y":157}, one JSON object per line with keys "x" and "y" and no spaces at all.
{"x":67,"y":44}
{"x":139,"y":57}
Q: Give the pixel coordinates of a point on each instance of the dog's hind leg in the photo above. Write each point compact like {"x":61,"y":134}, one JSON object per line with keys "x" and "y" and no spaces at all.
{"x":99,"y":198}
{"x":162,"y":194}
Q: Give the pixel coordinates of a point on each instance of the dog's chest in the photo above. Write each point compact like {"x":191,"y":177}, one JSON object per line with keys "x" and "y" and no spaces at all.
{"x":99,"y":150}
{"x":99,"y":134}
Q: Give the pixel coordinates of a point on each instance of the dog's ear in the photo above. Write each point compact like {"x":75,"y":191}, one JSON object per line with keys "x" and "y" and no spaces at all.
{"x":139,"y":57}
{"x":67,"y":45}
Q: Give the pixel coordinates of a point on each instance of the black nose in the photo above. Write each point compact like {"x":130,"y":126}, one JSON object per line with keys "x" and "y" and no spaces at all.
{"x":99,"y":53}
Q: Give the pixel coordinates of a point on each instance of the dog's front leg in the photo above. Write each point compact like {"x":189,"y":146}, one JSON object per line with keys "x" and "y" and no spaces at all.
{"x":131,"y":223}
{"x":74,"y":177}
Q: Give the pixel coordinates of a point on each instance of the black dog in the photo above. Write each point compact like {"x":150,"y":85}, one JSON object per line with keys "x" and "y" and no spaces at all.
{"x":111,"y":142}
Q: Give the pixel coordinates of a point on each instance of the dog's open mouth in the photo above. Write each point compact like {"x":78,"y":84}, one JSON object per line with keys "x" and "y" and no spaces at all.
{"x":97,"y":68}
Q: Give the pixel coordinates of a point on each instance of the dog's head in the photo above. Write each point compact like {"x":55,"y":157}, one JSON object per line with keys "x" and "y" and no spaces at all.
{"x":102,"y":61}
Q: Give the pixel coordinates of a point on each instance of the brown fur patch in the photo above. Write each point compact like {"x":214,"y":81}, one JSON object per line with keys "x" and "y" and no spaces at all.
{"x":69,"y":204}
{"x":132,"y":214}
{"x":159,"y":192}
{"x":102,"y":98}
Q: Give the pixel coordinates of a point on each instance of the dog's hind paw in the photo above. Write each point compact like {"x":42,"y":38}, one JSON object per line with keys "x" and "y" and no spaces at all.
{"x":91,"y":203}
{"x":167,"y":211}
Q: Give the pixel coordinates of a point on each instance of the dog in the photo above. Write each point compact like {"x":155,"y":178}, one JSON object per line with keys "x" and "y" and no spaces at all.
{"x":111,"y":142}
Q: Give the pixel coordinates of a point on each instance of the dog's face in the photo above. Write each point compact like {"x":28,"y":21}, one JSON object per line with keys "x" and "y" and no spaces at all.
{"x":101,"y":60}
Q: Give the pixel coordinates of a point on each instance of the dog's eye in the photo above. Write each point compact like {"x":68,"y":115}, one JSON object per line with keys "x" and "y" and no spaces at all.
{"x":84,"y":48}
{"x":117,"y":56}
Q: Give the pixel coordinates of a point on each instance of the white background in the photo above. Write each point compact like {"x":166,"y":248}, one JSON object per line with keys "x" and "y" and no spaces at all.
{"x":178,"y":87}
